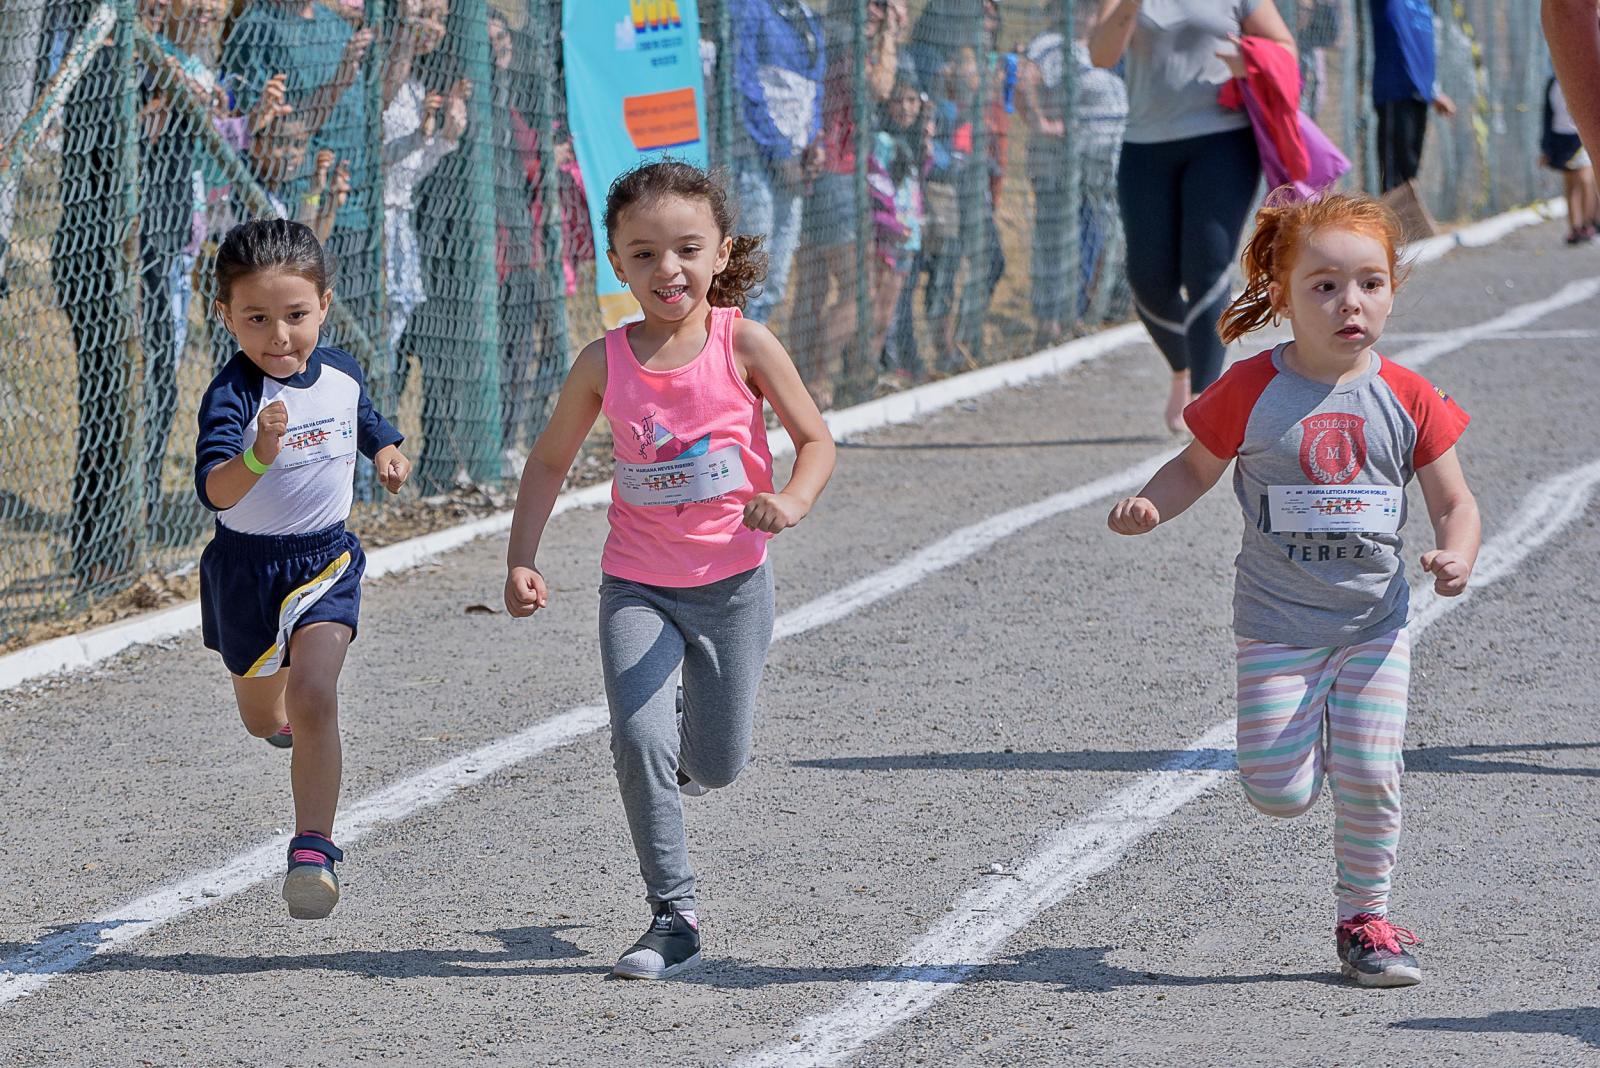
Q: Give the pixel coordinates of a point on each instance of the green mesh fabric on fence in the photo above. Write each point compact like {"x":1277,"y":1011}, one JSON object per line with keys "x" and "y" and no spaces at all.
{"x":936,"y":180}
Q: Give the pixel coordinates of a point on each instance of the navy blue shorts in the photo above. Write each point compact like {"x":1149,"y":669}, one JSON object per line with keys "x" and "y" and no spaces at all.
{"x":255,"y":589}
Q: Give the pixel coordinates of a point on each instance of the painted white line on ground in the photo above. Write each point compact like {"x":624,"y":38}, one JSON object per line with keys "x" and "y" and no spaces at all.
{"x":1509,"y":335}
{"x":979,"y":924}
{"x":31,"y":967}
{"x":75,"y":651}
{"x":1510,"y":319}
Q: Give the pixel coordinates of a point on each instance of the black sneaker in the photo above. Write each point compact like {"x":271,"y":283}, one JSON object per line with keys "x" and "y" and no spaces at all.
{"x":312,"y":887}
{"x":1372,"y":952}
{"x":284,"y":739}
{"x":670,"y":947}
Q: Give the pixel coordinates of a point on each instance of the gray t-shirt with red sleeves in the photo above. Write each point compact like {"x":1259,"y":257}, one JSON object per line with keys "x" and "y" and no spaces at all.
{"x":1321,"y":472}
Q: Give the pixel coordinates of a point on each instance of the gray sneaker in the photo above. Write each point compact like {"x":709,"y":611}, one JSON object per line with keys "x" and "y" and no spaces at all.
{"x":670,"y":947}
{"x":1372,"y":951}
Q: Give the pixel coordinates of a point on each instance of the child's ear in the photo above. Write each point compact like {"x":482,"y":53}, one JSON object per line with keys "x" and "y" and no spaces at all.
{"x":326,"y":303}
{"x":1275,"y":295}
{"x":616,"y":265}
{"x":225,"y":315}
{"x":724,"y":254}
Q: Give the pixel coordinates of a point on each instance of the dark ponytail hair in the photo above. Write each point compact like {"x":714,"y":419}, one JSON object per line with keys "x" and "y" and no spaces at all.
{"x":747,"y":263}
{"x":270,"y":245}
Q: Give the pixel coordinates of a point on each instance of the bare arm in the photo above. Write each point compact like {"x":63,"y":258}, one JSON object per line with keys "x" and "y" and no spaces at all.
{"x":1183,"y":480}
{"x":1265,"y":21}
{"x":546,"y":470}
{"x":1456,"y":530}
{"x":774,"y":376}
{"x":1113,"y":29}
{"x":1572,"y":28}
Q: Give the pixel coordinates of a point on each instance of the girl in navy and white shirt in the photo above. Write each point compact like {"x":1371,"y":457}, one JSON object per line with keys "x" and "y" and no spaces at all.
{"x":280,"y":427}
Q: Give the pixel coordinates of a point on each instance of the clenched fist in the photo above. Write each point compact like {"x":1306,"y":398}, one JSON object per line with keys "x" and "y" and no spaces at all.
{"x":1133,"y":515}
{"x":393,"y":468}
{"x":525,"y":592}
{"x":1450,"y":571}
{"x":271,"y":425}
{"x":772,"y":512}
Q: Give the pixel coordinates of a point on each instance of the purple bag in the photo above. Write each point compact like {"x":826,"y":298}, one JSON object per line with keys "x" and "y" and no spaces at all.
{"x":1328,"y":164}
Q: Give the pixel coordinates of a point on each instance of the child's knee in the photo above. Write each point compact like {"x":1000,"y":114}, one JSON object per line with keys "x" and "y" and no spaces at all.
{"x":1271,"y":799}
{"x":311,"y":703}
{"x":717,"y":773}
{"x":261,"y":723}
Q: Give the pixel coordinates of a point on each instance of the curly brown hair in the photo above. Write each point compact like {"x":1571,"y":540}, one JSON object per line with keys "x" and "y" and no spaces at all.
{"x":746,"y":269}
{"x":1282,"y":225}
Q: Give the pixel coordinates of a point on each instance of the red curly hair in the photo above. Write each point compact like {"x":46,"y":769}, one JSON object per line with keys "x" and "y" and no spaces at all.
{"x":1282,"y":227}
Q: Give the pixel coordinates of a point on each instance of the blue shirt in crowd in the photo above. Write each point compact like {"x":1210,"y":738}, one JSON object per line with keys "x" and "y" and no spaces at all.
{"x":1402,"y":51}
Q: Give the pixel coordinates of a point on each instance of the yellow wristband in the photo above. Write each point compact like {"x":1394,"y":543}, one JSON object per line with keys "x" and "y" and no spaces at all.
{"x":250,"y":461}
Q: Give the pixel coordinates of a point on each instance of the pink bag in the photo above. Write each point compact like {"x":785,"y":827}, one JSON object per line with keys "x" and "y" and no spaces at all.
{"x":1328,"y":164}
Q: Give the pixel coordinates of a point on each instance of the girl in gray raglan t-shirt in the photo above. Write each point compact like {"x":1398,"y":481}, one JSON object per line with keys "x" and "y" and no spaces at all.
{"x":1323,"y":435}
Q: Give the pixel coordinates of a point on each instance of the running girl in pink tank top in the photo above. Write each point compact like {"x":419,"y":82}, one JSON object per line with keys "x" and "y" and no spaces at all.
{"x":685,"y":581}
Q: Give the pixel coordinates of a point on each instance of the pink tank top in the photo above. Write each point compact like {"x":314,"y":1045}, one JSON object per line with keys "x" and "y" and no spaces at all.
{"x":691,"y":451}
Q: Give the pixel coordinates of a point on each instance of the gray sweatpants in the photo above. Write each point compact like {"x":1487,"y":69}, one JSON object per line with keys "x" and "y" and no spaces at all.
{"x":720,"y":634}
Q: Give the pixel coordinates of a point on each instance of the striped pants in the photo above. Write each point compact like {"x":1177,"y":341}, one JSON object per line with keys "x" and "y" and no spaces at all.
{"x":1339,"y":711}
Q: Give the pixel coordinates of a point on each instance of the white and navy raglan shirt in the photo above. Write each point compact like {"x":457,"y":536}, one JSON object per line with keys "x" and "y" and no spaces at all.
{"x":1320,"y":471}
{"x":310,"y":485}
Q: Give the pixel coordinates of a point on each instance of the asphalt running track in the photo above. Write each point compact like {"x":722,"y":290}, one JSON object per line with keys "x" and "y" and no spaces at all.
{"x":991,"y":817}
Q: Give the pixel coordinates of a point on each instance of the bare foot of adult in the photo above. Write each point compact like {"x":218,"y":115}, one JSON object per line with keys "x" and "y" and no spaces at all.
{"x":1177,"y":399}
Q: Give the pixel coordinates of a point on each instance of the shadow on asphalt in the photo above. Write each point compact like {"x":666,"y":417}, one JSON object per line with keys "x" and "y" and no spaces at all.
{"x":1442,"y":759}
{"x":526,"y":946}
{"x":1581,"y":1023}
{"x":1076,"y":969}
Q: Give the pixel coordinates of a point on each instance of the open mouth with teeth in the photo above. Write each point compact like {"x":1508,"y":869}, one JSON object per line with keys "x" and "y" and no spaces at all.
{"x":671,"y":294}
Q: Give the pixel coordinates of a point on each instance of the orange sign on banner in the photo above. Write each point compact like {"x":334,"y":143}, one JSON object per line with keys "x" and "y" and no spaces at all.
{"x":662,"y":120}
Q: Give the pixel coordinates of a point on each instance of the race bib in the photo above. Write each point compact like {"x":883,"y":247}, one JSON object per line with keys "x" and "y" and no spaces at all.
{"x":1347,"y":509}
{"x":682,"y":481}
{"x":316,"y":440}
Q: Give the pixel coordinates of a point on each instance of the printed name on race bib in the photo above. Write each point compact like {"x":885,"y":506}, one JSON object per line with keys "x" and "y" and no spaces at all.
{"x":685,"y":480}
{"x":1347,"y":509}
{"x":316,"y":440}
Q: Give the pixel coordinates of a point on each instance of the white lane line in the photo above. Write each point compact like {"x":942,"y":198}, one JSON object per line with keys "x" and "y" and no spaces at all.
{"x":1511,"y":319}
{"x":988,"y":915}
{"x":1509,"y":335}
{"x":31,"y":967}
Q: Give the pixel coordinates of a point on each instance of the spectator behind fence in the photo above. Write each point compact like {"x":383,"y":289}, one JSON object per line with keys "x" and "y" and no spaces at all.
{"x":1572,"y":29}
{"x":420,"y":128}
{"x":1188,"y":172}
{"x":778,"y":66}
{"x":319,"y":57}
{"x":21,"y":34}
{"x":1094,"y":138}
{"x":1404,"y":85}
{"x":86,"y":265}
{"x":899,"y":161}
{"x":279,"y":144}
{"x":1561,"y":149}
{"x":826,"y":283}
{"x":166,"y":201}
{"x":961,"y":195}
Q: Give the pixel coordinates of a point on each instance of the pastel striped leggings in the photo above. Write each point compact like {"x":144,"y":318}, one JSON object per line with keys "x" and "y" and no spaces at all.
{"x":1339,"y":712}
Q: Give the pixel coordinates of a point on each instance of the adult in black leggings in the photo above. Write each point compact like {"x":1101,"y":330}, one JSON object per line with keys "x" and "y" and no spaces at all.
{"x":1189,"y":169}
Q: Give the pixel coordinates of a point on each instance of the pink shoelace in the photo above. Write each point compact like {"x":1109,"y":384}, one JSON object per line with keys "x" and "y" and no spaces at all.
{"x":1379,"y":932}
{"x":312,"y":856}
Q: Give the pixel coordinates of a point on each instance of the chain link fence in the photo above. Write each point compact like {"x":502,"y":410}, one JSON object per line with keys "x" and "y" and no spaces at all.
{"x":936,"y":181}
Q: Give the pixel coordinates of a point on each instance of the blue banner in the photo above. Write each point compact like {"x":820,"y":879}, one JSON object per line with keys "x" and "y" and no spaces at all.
{"x":634,"y":92}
